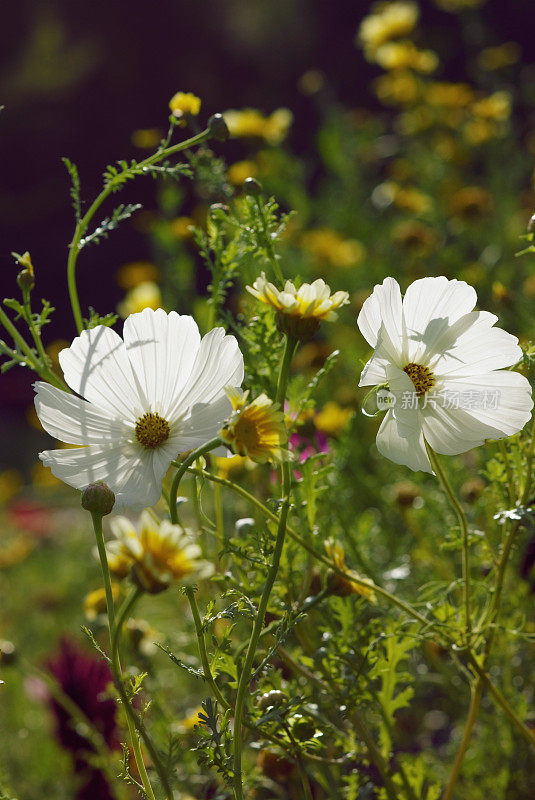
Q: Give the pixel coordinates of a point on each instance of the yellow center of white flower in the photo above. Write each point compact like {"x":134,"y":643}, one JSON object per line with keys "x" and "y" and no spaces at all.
{"x":152,"y":430}
{"x":422,"y":377}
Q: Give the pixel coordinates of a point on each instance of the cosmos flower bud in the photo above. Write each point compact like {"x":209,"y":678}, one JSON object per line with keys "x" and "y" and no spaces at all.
{"x":98,"y":498}
{"x":252,"y":187}
{"x":218,"y":128}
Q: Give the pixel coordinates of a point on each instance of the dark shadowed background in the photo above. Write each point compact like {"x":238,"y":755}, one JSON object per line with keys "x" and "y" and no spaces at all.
{"x":77,"y":78}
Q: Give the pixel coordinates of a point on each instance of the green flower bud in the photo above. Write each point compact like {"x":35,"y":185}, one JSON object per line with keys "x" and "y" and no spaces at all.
{"x":98,"y":498}
{"x":252,"y":188}
{"x":8,"y":653}
{"x":272,"y":699}
{"x":217,"y":128}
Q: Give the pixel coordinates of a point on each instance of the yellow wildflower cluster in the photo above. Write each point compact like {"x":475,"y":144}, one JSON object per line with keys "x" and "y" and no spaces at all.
{"x":331,"y":248}
{"x":155,"y":554}
{"x":332,"y":419}
{"x":250,"y":123}
{"x":256,"y":430}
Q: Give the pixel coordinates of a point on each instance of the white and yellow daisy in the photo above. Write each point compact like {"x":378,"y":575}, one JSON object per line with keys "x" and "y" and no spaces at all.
{"x":145,"y":399}
{"x":444,"y":365}
{"x":159,"y":553}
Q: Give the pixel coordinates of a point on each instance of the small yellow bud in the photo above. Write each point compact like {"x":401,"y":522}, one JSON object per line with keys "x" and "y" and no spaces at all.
{"x":183,"y":103}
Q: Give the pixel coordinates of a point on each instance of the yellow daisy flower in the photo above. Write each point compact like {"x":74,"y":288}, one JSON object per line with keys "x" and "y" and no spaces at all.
{"x":144,"y":295}
{"x":299,"y":311}
{"x":159,"y":553}
{"x":255,"y":429}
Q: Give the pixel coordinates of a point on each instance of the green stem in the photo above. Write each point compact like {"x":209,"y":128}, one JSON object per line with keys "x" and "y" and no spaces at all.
{"x":209,"y":678}
{"x":463,"y":524}
{"x":268,"y":243}
{"x":411,"y":612}
{"x":508,"y":472}
{"x":135,"y":726}
{"x":182,"y":469}
{"x":245,"y":676}
{"x":20,"y":341}
{"x":83,"y":224}
{"x":473,"y":711}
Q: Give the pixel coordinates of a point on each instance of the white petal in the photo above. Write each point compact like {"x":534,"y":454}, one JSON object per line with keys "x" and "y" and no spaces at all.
{"x":489,"y":407}
{"x":96,"y":366}
{"x":430,"y":305}
{"x":401,"y":444}
{"x":161,"y":348}
{"x":218,"y":363}
{"x":75,"y":421}
{"x":383,"y":307}
{"x":127,"y":470}
{"x":474,"y":347}
{"x":374,"y":372}
{"x":204,"y":423}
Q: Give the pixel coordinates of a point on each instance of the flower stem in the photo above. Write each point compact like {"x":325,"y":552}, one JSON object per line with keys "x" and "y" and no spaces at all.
{"x":411,"y":612}
{"x":473,"y":711}
{"x":463,"y":524}
{"x":135,"y":726}
{"x":182,"y":469}
{"x":245,"y":676}
{"x":83,"y":224}
{"x":190,"y":594}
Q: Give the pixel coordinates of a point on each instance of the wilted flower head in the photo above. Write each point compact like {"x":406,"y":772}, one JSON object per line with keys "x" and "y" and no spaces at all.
{"x":340,"y":585}
{"x":157,"y":394}
{"x":159,"y":553}
{"x":299,"y":311}
{"x":255,"y":429}
{"x":444,"y":365}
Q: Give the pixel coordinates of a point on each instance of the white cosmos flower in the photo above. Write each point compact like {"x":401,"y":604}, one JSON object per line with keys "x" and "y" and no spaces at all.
{"x":444,"y":364}
{"x":158,"y":393}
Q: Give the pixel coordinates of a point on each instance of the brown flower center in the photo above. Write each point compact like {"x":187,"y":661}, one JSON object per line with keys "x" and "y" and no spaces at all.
{"x":422,"y":377}
{"x":152,"y":430}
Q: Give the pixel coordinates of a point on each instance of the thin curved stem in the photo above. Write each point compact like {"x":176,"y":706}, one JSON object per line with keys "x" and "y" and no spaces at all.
{"x":473,"y":712}
{"x":190,"y":594}
{"x":463,"y":524}
{"x":83,"y":224}
{"x":182,"y":469}
{"x":245,"y":676}
{"x":135,"y":726}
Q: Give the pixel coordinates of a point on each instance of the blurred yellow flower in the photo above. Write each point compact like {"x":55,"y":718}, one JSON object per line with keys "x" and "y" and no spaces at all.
{"x":404,"y":55}
{"x":181,"y":227}
{"x":41,"y":477}
{"x":255,"y":429}
{"x":504,"y":55}
{"x":159,"y":553}
{"x":136,"y":272}
{"x":398,"y":88}
{"x":252,"y":123}
{"x":342,"y":586}
{"x":470,"y":203}
{"x":145,"y":295}
{"x":185,"y":103}
{"x":329,"y":247}
{"x":15,"y":550}
{"x":478,"y":131}
{"x":496,"y":106}
{"x":387,"y":21}
{"x":95,"y":601}
{"x":332,"y":419}
{"x":415,"y":237}
{"x":451,"y":95}
{"x":10,"y":485}
{"x":147,"y":138}
{"x":238,"y":172}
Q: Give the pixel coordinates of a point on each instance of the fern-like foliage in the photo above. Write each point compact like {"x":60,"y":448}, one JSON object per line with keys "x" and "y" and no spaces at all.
{"x":75,"y":190}
{"x":108,"y":224}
